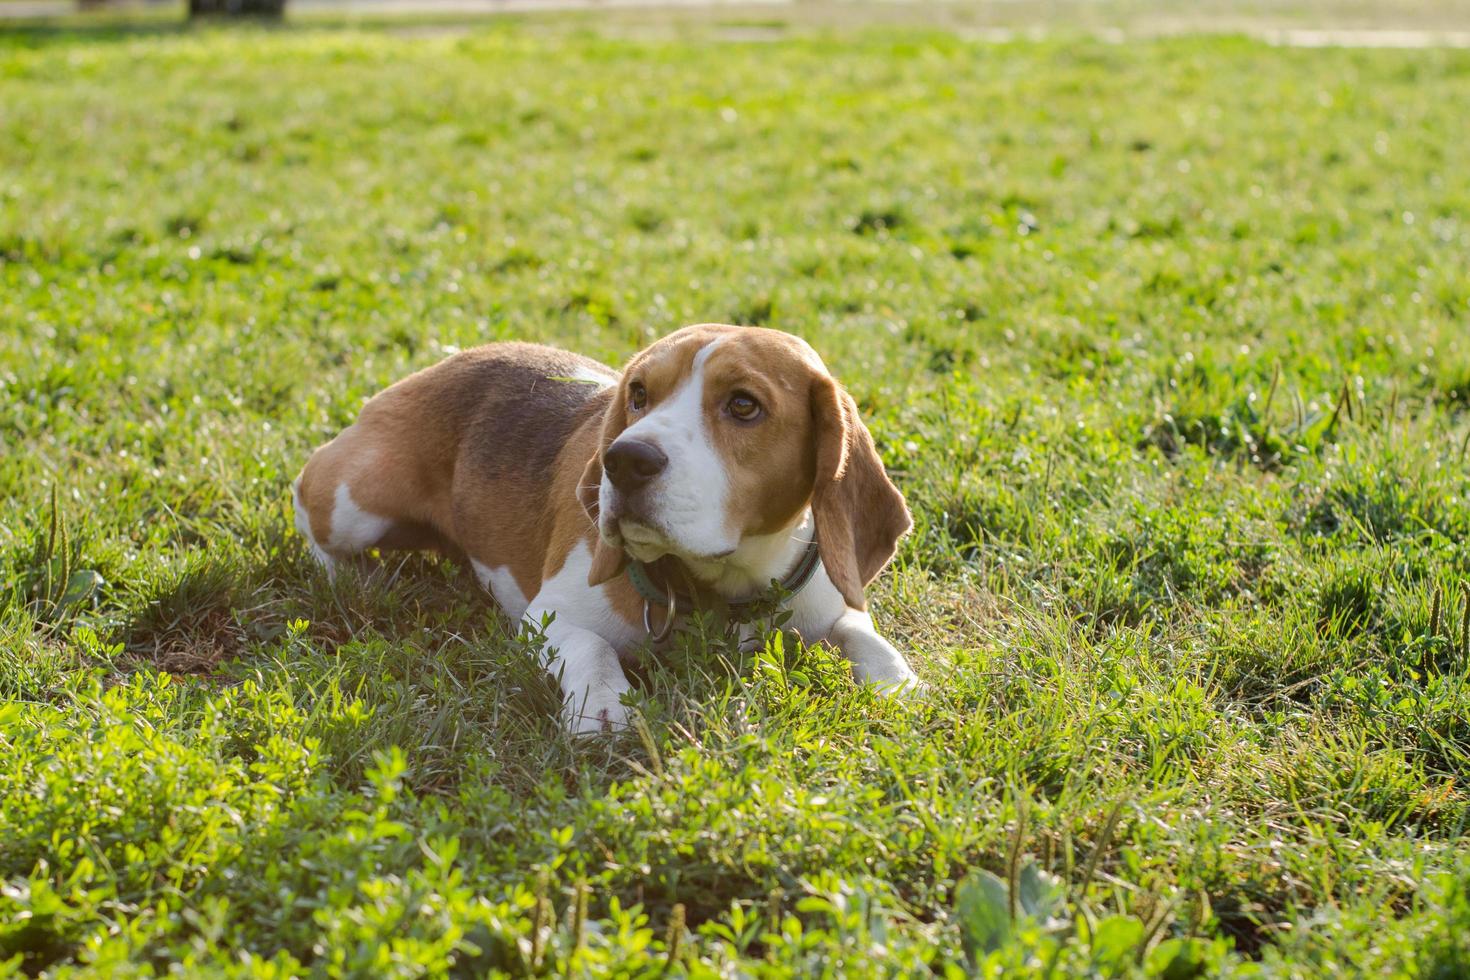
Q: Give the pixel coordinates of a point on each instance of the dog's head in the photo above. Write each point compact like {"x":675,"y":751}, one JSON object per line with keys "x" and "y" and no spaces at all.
{"x":718,"y":436}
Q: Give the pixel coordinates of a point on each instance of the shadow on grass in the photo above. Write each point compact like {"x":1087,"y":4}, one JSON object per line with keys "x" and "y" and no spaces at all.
{"x":209,"y":611}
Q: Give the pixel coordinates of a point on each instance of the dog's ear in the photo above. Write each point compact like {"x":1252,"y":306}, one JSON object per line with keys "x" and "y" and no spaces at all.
{"x":607,"y":562}
{"x":860,"y":514}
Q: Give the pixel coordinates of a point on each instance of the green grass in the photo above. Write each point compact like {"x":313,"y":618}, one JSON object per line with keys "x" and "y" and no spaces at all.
{"x":1166,"y":344}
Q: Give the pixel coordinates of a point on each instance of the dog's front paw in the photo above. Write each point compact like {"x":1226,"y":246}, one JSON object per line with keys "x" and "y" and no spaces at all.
{"x":597,"y":712}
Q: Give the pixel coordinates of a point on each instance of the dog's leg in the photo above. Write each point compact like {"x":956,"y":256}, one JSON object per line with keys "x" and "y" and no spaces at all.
{"x":303,"y":525}
{"x":581,"y":644}
{"x":819,"y":611}
{"x":358,"y":492}
{"x":874,"y":660}
{"x":353,"y":528}
{"x":592,"y":680}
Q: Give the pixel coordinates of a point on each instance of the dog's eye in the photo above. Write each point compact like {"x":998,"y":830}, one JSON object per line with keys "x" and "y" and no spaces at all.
{"x":637,"y":396}
{"x":741,"y":406}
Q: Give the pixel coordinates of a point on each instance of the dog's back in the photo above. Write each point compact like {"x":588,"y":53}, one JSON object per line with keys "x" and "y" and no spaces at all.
{"x":429,"y":457}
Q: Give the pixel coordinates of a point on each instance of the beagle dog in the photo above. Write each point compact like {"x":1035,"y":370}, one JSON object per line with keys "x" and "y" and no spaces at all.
{"x":723,"y":465}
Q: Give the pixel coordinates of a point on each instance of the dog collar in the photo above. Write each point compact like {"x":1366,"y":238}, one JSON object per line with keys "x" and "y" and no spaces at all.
{"x":672,"y":599}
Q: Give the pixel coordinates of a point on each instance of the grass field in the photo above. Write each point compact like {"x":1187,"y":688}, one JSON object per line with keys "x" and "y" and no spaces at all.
{"x":1166,"y":344}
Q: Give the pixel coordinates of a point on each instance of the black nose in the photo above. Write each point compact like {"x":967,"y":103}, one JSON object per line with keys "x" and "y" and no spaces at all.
{"x":631,"y":463}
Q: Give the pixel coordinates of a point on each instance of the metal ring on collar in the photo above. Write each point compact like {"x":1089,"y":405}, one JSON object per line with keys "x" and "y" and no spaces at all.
{"x":668,"y":627}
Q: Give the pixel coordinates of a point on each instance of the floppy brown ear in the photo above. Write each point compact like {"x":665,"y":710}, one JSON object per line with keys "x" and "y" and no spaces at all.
{"x":607,"y":562}
{"x":860,"y":514}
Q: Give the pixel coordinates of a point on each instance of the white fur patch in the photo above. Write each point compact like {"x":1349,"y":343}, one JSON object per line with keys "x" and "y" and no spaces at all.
{"x":690,"y":501}
{"x":590,"y":376}
{"x":818,"y":611}
{"x":757,"y":560}
{"x":581,"y":644}
{"x":353,"y":528}
{"x":303,"y":524}
{"x":577,"y":604}
{"x":501,"y":584}
{"x":761,"y":559}
{"x":874,"y":660}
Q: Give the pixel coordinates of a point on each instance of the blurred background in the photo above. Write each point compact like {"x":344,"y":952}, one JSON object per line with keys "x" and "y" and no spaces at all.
{"x":1371,"y":23}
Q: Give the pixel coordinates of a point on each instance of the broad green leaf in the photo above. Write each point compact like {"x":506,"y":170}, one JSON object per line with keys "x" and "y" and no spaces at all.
{"x":1040,"y":892}
{"x":1115,"y":939}
{"x":984,"y":913}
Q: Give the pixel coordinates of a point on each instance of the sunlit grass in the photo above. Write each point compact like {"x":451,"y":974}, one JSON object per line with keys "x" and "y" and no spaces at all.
{"x":1166,"y":344}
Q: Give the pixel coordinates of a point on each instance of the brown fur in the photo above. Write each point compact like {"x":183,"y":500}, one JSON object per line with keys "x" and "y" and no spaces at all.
{"x":489,"y":451}
{"x":810,"y":447}
{"x":860,"y":514}
{"x":472,"y":450}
